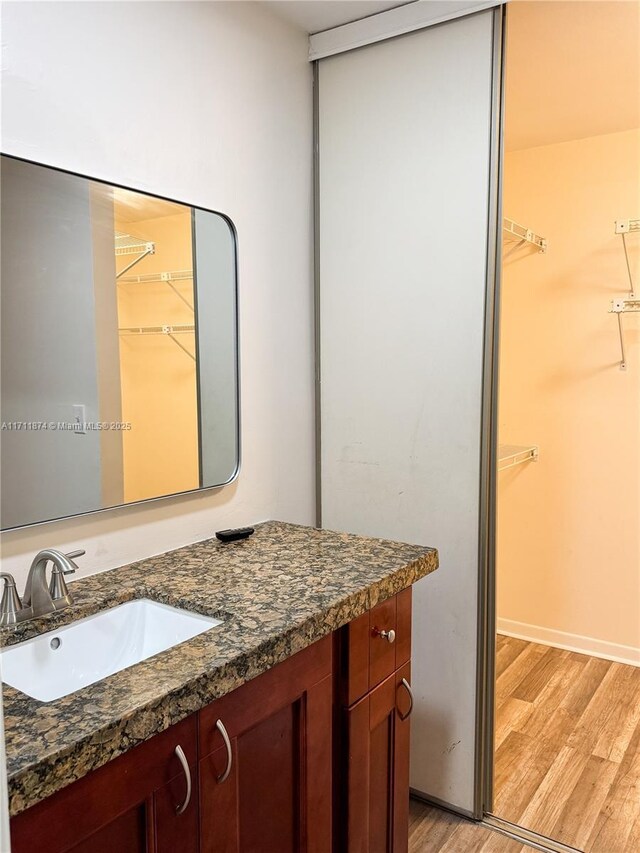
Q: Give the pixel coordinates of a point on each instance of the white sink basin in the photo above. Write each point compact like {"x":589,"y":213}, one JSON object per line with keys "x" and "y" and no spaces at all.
{"x":60,"y":662}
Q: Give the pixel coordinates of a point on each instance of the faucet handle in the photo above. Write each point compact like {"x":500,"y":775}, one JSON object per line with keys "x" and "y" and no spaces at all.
{"x":58,"y":589}
{"x":71,"y":556}
{"x":10,"y":603}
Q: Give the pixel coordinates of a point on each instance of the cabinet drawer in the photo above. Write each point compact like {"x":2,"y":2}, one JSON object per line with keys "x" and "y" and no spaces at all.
{"x":373,"y":646}
{"x":383,"y":632}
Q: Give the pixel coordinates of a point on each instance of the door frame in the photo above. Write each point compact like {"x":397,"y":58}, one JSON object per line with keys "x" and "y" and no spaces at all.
{"x":486,"y":644}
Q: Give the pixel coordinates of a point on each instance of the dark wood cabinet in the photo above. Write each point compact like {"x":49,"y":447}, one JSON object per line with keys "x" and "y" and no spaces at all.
{"x":372,"y":772}
{"x":269,"y":788}
{"x":175,"y":833}
{"x":378,"y":768}
{"x":130,"y":831}
{"x":130,"y":804}
{"x":310,"y":757}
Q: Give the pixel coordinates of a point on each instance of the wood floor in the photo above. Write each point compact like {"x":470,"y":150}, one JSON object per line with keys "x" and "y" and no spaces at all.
{"x":567,"y":762}
{"x":434,"y":831}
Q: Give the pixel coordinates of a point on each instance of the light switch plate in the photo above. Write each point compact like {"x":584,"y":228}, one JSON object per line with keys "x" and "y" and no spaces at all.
{"x":79,"y":418}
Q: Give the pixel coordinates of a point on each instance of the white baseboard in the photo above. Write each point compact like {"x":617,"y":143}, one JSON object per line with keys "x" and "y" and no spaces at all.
{"x":571,"y":642}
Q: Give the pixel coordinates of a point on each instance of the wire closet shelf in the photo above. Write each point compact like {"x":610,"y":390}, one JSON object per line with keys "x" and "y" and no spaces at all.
{"x":127,"y":244}
{"x":510,"y":455}
{"x":629,"y":304}
{"x":169,"y":331}
{"x":521,"y":236}
{"x":170,"y":278}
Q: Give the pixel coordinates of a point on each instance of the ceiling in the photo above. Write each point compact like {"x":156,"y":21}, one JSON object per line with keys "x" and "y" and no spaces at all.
{"x":131,"y":206}
{"x":572,"y":70}
{"x":572,"y":67}
{"x":313,"y":16}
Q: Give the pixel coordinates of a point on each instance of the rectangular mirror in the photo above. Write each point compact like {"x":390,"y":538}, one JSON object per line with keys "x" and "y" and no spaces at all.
{"x":119,"y":346}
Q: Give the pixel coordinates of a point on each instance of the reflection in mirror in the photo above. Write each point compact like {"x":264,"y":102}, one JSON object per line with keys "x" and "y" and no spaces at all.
{"x":119,"y":346}
{"x":156,"y":326}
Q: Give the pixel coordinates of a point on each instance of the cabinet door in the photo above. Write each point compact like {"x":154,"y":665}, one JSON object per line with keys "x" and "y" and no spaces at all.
{"x":176,"y":824}
{"x":277,"y":792}
{"x":129,"y":804}
{"x":377,"y":731}
{"x":131,"y":831}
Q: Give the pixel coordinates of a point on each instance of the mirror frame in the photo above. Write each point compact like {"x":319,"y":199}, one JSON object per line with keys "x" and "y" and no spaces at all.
{"x":236,"y":295}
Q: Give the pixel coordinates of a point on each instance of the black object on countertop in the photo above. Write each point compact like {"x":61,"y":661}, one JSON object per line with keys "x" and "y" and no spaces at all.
{"x":235,"y":534}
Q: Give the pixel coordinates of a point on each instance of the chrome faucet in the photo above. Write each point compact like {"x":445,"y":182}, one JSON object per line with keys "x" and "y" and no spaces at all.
{"x":39,"y":598}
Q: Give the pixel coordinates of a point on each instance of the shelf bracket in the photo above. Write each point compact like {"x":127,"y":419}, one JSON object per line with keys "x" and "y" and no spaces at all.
{"x":166,"y":277}
{"x":170,"y":334}
{"x":624,"y":227}
{"x":514,"y":249}
{"x":150,"y":250}
{"x":624,"y":305}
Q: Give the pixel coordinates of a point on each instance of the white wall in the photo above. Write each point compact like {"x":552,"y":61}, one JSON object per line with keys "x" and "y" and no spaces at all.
{"x":208,"y":103}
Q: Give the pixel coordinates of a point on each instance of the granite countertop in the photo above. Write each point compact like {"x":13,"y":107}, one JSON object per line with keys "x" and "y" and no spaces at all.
{"x":276,"y":593}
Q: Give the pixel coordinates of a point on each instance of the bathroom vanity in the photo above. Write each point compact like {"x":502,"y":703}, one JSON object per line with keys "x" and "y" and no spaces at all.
{"x":283,"y":728}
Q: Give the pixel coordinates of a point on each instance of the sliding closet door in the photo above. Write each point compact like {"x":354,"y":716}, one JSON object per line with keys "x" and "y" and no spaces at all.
{"x":404,"y":162}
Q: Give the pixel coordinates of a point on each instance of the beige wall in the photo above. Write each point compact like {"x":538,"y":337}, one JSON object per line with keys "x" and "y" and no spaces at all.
{"x":569,"y":525}
{"x":160,"y":452}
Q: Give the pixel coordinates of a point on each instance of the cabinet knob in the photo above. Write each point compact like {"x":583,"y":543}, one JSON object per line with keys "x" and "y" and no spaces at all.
{"x":389,"y":636}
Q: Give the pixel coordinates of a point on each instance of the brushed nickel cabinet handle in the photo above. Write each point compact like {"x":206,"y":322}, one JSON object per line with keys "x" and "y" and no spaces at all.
{"x":407,"y":687}
{"x":187,"y":775}
{"x":225,"y":737}
{"x":389,"y":636}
